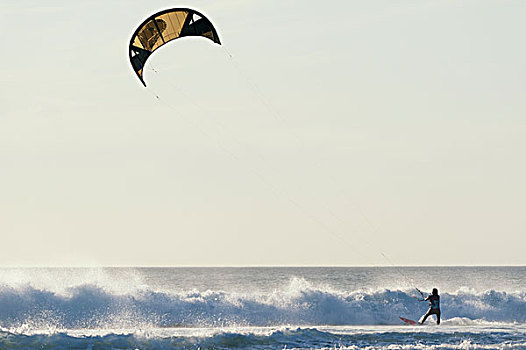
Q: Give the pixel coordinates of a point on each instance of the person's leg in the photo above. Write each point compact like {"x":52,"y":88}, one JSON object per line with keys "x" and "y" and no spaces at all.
{"x":425,"y":316}
{"x":438,"y":317}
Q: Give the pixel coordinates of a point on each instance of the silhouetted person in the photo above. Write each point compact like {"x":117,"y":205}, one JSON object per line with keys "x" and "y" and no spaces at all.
{"x":434,"y":306}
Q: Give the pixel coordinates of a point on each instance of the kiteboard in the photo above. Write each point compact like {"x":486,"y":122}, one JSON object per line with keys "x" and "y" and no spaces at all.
{"x":408,"y":321}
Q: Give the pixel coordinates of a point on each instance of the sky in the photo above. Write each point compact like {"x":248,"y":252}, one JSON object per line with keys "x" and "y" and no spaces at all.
{"x":319,"y":133}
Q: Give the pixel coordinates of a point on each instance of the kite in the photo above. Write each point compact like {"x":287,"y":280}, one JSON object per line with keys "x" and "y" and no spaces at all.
{"x":163,"y":27}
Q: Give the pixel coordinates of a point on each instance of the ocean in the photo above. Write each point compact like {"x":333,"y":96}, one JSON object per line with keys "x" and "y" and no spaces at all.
{"x":260,"y":308}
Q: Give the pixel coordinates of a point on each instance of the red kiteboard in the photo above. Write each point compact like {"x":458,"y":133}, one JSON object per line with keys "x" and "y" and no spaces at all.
{"x":408,"y":321}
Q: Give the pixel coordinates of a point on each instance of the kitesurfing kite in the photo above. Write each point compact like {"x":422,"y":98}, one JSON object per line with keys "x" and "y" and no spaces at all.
{"x":165,"y":26}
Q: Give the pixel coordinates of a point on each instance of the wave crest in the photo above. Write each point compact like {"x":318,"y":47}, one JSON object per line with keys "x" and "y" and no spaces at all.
{"x":92,"y":306}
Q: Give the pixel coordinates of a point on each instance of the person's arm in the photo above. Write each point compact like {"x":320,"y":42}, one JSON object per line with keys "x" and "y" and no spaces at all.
{"x":422,"y":294}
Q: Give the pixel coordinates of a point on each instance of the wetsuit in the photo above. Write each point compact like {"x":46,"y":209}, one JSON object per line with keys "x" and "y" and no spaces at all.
{"x":434,"y":307}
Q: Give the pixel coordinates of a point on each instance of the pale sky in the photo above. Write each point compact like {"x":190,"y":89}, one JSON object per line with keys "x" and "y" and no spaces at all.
{"x":338,"y":131}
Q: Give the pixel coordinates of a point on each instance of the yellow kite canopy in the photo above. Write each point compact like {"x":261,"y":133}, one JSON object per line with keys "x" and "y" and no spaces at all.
{"x":165,"y":26}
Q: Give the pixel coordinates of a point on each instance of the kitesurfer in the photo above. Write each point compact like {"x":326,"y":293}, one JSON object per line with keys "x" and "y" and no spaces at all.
{"x":434,"y":306}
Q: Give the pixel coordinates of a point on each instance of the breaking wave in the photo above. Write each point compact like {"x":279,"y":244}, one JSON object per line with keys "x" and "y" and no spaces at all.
{"x":298,"y":303}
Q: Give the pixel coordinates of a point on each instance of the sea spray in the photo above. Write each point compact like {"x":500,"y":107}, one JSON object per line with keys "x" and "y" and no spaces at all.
{"x":92,"y":306}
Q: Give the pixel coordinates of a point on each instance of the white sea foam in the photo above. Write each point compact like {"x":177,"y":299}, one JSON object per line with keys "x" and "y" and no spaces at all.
{"x":283,"y":338}
{"x":298,"y":302}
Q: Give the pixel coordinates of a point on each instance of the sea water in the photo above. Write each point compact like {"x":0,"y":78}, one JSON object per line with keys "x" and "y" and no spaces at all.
{"x":260,"y":308}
